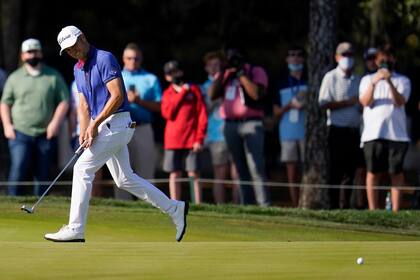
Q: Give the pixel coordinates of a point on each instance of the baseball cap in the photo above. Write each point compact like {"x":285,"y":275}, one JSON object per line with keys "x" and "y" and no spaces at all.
{"x":370,"y":52}
{"x":68,"y":37}
{"x":344,"y":47}
{"x":171,"y":66}
{"x":31,"y":45}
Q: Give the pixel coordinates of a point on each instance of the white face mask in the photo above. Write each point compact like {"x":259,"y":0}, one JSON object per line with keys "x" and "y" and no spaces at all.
{"x":346,"y":63}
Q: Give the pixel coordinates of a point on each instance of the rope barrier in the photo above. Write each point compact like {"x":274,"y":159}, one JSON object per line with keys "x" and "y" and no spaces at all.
{"x":213,"y":181}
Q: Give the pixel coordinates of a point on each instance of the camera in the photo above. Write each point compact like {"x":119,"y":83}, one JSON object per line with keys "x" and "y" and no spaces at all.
{"x":235,"y":59}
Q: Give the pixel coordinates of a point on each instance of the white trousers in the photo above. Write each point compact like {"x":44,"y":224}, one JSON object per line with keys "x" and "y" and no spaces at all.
{"x":110,"y":147}
{"x":142,"y":156}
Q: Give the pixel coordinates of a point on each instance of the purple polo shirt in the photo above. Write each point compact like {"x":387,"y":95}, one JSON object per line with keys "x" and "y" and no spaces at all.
{"x":92,"y":76}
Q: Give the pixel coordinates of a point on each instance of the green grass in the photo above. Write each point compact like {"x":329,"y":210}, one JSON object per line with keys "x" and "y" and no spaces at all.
{"x":130,"y":240}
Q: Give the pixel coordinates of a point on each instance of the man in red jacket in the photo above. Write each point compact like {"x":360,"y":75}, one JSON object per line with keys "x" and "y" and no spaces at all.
{"x":186,"y":122}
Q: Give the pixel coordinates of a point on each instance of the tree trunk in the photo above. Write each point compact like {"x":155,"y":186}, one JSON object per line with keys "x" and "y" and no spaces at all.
{"x":10,"y":32}
{"x":378,"y":32}
{"x":322,"y":41}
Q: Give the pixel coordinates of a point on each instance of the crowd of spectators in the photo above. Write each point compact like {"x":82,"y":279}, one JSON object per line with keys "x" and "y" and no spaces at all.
{"x":225,"y":115}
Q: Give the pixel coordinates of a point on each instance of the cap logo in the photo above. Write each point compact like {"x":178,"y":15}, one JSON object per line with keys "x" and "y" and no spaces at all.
{"x":63,"y":38}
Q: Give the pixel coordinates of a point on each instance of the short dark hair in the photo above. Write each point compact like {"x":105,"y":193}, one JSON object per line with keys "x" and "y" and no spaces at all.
{"x":212,"y":55}
{"x":386,"y":50}
{"x":133,"y":47}
{"x":296,"y":48}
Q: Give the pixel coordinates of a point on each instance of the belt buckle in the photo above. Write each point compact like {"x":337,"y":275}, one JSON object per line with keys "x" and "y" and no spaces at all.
{"x":132,"y":125}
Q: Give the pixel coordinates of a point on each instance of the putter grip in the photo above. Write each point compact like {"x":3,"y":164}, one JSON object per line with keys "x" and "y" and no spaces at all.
{"x":80,"y":149}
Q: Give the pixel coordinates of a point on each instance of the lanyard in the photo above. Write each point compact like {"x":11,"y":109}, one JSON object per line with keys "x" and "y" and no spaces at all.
{"x":294,"y":88}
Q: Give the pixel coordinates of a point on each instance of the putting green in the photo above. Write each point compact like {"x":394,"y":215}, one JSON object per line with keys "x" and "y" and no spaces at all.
{"x":138,"y":243}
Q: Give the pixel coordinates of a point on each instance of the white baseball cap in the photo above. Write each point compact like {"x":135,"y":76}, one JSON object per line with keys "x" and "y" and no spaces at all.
{"x":31,"y":45}
{"x":68,"y":37}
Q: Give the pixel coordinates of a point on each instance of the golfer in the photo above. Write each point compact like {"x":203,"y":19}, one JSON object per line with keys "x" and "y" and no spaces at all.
{"x":105,"y":130}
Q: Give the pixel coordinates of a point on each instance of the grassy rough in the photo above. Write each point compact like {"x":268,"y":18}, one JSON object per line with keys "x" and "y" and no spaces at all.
{"x":403,"y":222}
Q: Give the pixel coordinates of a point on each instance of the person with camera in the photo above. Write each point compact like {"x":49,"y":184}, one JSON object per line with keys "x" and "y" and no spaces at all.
{"x":223,"y":167}
{"x":184,"y":109}
{"x":144,"y":95}
{"x":242,"y":87}
{"x":385,"y":139}
{"x":339,"y":96}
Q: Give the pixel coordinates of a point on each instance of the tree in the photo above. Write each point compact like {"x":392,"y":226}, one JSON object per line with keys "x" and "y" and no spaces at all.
{"x":322,"y":39}
{"x":10,"y":32}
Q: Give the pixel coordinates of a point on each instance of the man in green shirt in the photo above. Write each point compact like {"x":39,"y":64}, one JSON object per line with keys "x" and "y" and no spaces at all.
{"x":33,"y":106}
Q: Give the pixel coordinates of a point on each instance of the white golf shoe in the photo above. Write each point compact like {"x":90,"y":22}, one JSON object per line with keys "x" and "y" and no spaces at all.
{"x":179,"y":217}
{"x":65,"y":234}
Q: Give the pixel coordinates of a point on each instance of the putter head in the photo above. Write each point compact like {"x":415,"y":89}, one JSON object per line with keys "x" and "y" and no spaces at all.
{"x":24,"y":208}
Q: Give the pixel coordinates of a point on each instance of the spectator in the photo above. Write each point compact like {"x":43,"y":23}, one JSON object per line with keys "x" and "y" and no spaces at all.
{"x":33,"y":105}
{"x":242,"y":86}
{"x":4,"y":151}
{"x":383,"y":95}
{"x":369,"y":58}
{"x":3,"y":77}
{"x":339,"y":96}
{"x":144,"y":94}
{"x":220,"y":156}
{"x":288,"y":108}
{"x":186,"y":123}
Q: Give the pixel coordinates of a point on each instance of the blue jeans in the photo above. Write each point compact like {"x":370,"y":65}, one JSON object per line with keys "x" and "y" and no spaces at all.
{"x":245,"y":140}
{"x":29,"y":151}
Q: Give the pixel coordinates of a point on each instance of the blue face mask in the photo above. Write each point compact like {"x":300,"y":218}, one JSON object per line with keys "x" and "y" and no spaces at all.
{"x":295,"y":67}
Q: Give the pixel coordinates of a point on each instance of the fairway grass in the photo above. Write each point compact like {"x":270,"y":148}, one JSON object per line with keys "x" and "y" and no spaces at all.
{"x":131,"y":241}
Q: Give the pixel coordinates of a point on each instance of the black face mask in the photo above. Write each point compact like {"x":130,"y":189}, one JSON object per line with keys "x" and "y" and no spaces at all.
{"x":33,"y":61}
{"x":387,"y":65}
{"x":177,"y":80}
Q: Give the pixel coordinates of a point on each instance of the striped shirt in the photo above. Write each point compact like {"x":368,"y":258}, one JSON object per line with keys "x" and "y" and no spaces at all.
{"x":335,"y":87}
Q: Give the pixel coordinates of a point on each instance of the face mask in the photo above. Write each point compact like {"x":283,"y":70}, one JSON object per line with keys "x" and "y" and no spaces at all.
{"x":295,"y":67}
{"x":346,"y":63}
{"x":33,"y":61}
{"x":177,"y":80}
{"x":387,"y":65}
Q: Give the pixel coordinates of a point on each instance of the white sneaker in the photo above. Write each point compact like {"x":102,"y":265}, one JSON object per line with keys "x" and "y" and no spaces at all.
{"x":65,"y":234}
{"x":180,"y":219}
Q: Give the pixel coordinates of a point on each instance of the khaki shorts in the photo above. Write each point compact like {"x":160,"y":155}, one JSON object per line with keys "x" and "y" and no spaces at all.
{"x":293,"y":151}
{"x":219,"y":153}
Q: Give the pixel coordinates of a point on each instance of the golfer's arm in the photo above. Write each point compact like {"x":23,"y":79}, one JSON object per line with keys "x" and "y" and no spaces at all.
{"x":114,"y":102}
{"x":6,"y":114}
{"x":83,"y":113}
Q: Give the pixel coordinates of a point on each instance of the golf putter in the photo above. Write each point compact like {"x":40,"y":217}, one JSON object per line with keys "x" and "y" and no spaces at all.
{"x":31,"y":210}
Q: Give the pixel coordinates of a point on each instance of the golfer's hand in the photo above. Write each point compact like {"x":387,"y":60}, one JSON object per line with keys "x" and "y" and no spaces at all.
{"x":9,"y":132}
{"x":82,"y":139}
{"x":52,"y":130}
{"x":197,"y":147}
{"x":90,"y":134}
